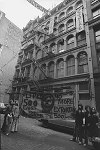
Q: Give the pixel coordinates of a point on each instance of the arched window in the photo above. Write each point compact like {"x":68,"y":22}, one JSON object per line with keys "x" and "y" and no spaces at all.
{"x":70,"y":65}
{"x":78,"y":4}
{"x":45,"y":51}
{"x":70,"y":41}
{"x":47,"y":24}
{"x":39,"y":54}
{"x":54,"y":31}
{"x":55,"y":20}
{"x":81,"y":38}
{"x":82,"y":62}
{"x":61,"y":28}
{"x":60,"y":68}
{"x":51,"y":69}
{"x":41,"y":39}
{"x":62,"y":15}
{"x":37,"y":74}
{"x":53,"y":47}
{"x":60,"y":45}
{"x":43,"y":67}
{"x":70,"y":24}
{"x":69,"y":10}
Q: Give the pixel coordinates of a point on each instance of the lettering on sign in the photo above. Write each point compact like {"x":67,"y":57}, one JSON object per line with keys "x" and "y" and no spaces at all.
{"x":79,"y":20}
{"x":63,"y":107}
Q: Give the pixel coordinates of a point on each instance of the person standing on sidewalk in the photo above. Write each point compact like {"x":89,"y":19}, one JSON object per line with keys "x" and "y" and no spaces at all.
{"x":87,"y":123}
{"x":14,"y":127}
{"x":78,"y":130}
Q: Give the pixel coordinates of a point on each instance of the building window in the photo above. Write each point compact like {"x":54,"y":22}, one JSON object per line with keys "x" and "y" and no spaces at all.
{"x":39,"y":54}
{"x":70,"y":9}
{"x":78,"y":4}
{"x":82,"y":63}
{"x":62,"y":15}
{"x":51,"y":69}
{"x":81,"y":38}
{"x":27,"y":71}
{"x":97,"y":36}
{"x":53,"y":47}
{"x":61,"y":28}
{"x":70,"y":65}
{"x":37,"y":74}
{"x":45,"y":51}
{"x":83,"y":86}
{"x":54,"y":31}
{"x":23,"y":72}
{"x":96,"y":13}
{"x":60,"y":45}
{"x":43,"y":67}
{"x":84,"y":96}
{"x":70,"y":24}
{"x":41,"y":39}
{"x":70,"y":41}
{"x":60,"y":68}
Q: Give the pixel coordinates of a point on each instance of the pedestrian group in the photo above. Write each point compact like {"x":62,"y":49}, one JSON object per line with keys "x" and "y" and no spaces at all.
{"x":85,"y":124}
{"x":11,"y":119}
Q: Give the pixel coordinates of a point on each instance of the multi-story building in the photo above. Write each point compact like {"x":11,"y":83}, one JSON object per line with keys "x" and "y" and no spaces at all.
{"x":10,"y":44}
{"x":64,"y":45}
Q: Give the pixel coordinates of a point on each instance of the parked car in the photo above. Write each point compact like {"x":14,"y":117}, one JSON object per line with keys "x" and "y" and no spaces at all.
{"x":2,"y":108}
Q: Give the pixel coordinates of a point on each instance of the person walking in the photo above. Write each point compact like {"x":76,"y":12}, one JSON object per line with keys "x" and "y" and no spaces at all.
{"x":15,"y":121}
{"x":7,"y":121}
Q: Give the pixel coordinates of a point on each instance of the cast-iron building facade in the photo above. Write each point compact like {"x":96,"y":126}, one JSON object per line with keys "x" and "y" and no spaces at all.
{"x":66,"y":52}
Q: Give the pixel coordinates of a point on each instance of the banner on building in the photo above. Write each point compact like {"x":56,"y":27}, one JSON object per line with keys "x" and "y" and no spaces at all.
{"x":35,"y":4}
{"x":79,"y":20}
{"x":51,"y":25}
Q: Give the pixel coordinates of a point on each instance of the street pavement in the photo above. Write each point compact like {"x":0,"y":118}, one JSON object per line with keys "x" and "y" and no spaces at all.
{"x":32,"y":136}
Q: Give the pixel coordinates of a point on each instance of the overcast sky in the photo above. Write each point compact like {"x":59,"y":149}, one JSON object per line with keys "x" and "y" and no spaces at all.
{"x":20,"y":12}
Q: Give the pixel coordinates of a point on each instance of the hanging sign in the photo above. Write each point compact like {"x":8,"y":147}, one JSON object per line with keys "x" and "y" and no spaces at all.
{"x":51,"y":25}
{"x":79,"y":20}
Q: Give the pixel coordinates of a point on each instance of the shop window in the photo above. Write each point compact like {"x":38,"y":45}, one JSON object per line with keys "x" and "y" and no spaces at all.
{"x":82,"y":63}
{"x":60,"y":68}
{"x":84,"y":96}
{"x":60,"y":46}
{"x":96,"y":13}
{"x":70,"y":65}
{"x":81,"y":38}
{"x":51,"y":69}
{"x":83,"y":86}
